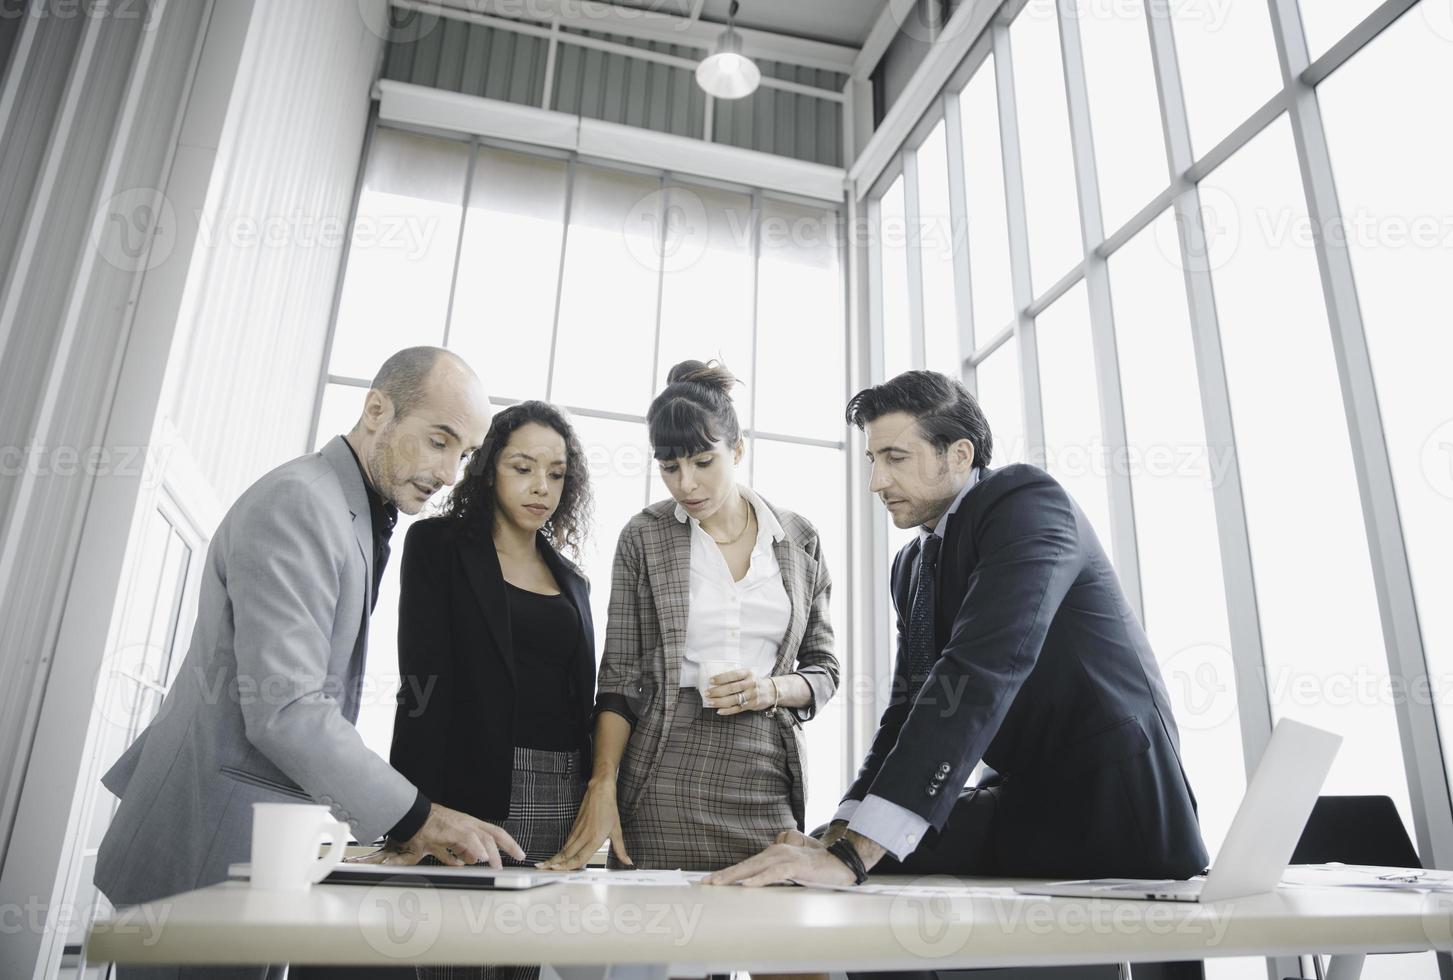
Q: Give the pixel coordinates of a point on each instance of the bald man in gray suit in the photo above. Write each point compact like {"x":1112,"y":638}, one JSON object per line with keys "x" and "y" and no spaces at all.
{"x":264,"y":705}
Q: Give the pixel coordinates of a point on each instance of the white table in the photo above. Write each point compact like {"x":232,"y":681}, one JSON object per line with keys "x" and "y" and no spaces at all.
{"x":696,"y":929}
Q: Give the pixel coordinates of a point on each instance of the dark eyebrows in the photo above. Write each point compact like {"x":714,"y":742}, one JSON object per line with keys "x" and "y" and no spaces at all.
{"x":886,"y":449}
{"x":449,"y":432}
{"x":519,"y":454}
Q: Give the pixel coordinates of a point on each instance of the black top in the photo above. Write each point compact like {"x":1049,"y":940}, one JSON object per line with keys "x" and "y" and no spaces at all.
{"x":546,"y":629}
{"x":1042,"y":671}
{"x":467,"y":680}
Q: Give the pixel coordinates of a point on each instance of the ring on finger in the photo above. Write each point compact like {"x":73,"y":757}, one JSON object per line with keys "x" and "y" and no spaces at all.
{"x":741,"y":699}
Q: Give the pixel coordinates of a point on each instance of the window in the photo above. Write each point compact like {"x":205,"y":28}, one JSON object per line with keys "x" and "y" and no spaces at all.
{"x":893,"y":252}
{"x":401,"y":260}
{"x":1228,"y":66}
{"x":1173,"y":473}
{"x":613,"y":260}
{"x":509,"y":265}
{"x":1308,"y":545}
{"x":996,"y":381}
{"x":1073,"y":443}
{"x":988,"y":231}
{"x":1050,"y":205}
{"x":1399,"y":232}
{"x":937,"y":239}
{"x":1124,"y":113}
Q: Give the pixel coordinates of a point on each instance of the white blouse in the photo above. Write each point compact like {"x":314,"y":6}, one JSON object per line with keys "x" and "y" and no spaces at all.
{"x":740,"y":621}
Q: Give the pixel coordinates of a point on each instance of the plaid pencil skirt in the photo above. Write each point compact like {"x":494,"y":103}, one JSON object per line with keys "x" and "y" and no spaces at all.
{"x":720,"y":794}
{"x":545,"y":794}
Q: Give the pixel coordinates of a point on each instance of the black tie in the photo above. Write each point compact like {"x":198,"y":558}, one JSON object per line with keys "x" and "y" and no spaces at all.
{"x":921,"y":653}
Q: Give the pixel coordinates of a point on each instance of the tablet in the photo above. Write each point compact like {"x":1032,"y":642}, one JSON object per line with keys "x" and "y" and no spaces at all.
{"x":431,"y":875}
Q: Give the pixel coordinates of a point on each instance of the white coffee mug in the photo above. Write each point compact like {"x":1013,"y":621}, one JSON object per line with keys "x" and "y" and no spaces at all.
{"x":285,"y":839}
{"x":710,"y":669}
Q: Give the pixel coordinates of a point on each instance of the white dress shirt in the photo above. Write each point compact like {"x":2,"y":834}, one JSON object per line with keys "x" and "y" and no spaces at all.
{"x":897,"y":829}
{"x":740,"y":621}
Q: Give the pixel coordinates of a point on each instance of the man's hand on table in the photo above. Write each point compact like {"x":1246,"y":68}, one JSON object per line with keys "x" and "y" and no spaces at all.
{"x":454,"y":838}
{"x":795,"y":857}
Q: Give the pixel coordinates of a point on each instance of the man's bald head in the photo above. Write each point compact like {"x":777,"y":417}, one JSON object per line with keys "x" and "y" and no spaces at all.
{"x":425,"y":412}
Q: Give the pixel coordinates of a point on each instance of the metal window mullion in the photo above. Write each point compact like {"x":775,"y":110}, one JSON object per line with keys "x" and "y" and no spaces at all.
{"x":1024,"y":328}
{"x":571,"y":173}
{"x":1238,"y":575}
{"x":1102,"y":313}
{"x":958,"y":228}
{"x":913,"y":254}
{"x":459,"y":239}
{"x":1397,"y":604}
{"x":756,"y":246}
{"x":665,"y":222}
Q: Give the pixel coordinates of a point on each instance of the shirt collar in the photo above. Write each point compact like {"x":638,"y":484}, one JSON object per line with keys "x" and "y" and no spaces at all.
{"x":382,"y":514}
{"x":942,"y":524}
{"x":767,"y":522}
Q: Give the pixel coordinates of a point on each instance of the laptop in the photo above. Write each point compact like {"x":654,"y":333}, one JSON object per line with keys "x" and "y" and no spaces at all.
{"x":1263,"y":834}
{"x":437,"y":876}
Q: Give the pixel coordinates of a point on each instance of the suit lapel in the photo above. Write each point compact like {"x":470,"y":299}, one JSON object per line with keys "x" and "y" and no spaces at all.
{"x":487,"y":582}
{"x":668,"y":562}
{"x":792,"y":561}
{"x":338,"y":453}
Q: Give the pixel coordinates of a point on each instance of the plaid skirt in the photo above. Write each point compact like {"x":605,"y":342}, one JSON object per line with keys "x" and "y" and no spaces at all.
{"x":545,"y":794}
{"x":720,"y":794}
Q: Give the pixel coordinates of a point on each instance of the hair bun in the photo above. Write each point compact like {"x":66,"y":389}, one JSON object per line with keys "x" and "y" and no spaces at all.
{"x":713,"y":374}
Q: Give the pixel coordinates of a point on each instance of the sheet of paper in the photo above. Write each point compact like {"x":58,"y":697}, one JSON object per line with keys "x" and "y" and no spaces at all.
{"x":636,"y":878}
{"x":915,"y":891}
{"x":1363,"y":876}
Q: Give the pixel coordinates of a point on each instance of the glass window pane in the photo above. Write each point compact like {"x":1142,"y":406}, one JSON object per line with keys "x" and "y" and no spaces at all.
{"x":1327,"y":23}
{"x":342,"y":405}
{"x":1392,"y":174}
{"x":1124,"y":110}
{"x":509,"y":266}
{"x":1074,"y":446}
{"x":1228,"y":65}
{"x":893,"y":249}
{"x":1172,"y":474}
{"x":936,"y":240}
{"x":993,"y":289}
{"x":1051,"y":207}
{"x":401,"y":256}
{"x":607,"y":331}
{"x":1308,"y":543}
{"x":706,"y":290}
{"x":777,"y":475}
{"x":996,"y":378}
{"x":618,"y":456}
{"x":801,"y":334}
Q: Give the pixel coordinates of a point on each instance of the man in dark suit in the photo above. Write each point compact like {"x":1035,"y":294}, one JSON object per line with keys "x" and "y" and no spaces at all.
{"x":1016,"y":647}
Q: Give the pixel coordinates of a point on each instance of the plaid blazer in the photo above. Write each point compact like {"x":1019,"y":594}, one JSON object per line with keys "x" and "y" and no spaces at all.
{"x":645,"y":637}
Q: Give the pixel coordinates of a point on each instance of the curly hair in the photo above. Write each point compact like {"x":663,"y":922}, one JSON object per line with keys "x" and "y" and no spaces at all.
{"x":471,"y":503}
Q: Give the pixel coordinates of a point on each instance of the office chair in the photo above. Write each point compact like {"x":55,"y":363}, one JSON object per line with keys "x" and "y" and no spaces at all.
{"x":1355,"y":830}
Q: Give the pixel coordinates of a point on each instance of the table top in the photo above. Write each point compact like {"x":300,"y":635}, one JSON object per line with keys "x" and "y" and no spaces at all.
{"x":938,"y":923}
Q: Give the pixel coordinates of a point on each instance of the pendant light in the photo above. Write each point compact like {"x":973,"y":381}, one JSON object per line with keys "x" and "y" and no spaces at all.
{"x":727,"y":73}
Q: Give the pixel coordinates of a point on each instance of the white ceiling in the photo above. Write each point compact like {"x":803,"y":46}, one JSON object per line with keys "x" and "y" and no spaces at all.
{"x":835,"y":21}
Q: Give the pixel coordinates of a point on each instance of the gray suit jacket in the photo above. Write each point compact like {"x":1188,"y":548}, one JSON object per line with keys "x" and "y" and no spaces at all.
{"x":645,"y":638}
{"x":264,"y":705}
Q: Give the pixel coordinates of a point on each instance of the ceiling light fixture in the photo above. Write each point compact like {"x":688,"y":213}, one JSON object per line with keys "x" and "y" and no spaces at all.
{"x":727,"y":73}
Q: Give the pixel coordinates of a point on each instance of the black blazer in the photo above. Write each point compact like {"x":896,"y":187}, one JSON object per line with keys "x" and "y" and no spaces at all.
{"x":1045,"y":674}
{"x":454,"y":731}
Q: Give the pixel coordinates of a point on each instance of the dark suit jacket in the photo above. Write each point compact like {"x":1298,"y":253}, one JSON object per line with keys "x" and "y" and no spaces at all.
{"x":456,"y":742}
{"x":1045,"y":674}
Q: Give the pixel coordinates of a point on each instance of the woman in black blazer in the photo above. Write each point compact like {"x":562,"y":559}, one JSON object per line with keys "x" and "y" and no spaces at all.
{"x":496,"y":648}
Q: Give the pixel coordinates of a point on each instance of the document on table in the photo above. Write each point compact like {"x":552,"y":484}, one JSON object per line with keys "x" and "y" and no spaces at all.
{"x":916,"y":891}
{"x":635,"y":877}
{"x":1364,"y":876}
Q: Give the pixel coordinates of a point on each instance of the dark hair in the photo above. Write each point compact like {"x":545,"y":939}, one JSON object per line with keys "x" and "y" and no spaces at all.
{"x":945,"y":410}
{"x":693,"y":411}
{"x":404,"y":376}
{"x":472,"y":501}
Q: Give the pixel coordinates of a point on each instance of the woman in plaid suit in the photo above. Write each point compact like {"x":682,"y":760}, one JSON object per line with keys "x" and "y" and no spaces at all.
{"x":717,"y":588}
